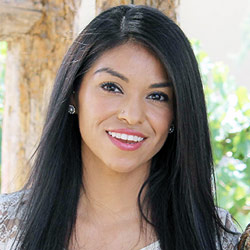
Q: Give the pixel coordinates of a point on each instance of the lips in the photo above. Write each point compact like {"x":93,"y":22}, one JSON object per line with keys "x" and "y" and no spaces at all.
{"x":128,"y":132}
{"x":126,"y":139}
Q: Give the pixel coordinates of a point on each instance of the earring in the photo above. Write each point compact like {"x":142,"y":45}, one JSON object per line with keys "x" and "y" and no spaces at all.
{"x":71,"y":109}
{"x":171,"y":129}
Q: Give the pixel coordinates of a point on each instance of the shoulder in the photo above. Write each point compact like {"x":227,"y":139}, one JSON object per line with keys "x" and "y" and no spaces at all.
{"x":11,"y":208}
{"x":229,"y":241}
{"x":10,"y":202}
{"x":244,"y":243}
{"x":11,"y":199}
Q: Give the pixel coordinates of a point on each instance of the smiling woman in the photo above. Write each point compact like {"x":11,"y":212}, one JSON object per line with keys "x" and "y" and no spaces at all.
{"x":124,"y":102}
{"x":125,"y":159}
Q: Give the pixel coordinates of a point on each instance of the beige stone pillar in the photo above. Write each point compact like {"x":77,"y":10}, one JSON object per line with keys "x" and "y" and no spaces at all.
{"x":38,"y":35}
{"x":169,"y":7}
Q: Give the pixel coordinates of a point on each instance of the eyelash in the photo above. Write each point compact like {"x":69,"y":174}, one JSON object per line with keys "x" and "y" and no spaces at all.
{"x":161,"y":97}
{"x":108,"y":85}
{"x":155,"y":96}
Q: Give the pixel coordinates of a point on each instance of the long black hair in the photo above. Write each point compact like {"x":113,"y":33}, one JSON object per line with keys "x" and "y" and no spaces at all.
{"x":179,"y":194}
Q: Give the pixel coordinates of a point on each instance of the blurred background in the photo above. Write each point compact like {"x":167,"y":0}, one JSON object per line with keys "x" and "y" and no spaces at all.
{"x":35,"y":35}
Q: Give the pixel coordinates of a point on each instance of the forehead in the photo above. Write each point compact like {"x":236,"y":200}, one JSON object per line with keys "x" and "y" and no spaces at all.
{"x":130,"y":59}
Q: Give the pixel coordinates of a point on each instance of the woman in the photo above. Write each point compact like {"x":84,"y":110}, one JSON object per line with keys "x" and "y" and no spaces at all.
{"x":125,"y":159}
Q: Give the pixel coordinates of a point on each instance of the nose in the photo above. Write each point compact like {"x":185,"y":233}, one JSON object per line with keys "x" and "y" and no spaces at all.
{"x":132,"y":112}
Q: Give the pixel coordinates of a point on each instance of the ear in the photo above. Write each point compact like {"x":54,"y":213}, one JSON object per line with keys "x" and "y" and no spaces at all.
{"x":74,"y":101}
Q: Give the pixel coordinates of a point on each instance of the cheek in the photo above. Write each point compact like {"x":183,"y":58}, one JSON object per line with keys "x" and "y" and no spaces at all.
{"x":104,"y":106}
{"x":95,"y":107}
{"x":161,"y":120}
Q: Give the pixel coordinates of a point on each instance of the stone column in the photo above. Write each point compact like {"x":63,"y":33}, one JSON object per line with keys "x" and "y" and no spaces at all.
{"x":169,"y":7}
{"x":38,"y":35}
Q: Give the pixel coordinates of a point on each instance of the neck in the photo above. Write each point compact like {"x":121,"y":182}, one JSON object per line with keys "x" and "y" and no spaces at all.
{"x":108,"y":194}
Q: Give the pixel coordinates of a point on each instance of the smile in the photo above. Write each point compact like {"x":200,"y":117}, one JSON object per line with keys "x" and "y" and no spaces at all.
{"x":126,"y":137}
{"x":124,"y":141}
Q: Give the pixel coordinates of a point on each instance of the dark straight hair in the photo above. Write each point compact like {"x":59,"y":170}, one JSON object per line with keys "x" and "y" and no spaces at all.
{"x":179,"y":196}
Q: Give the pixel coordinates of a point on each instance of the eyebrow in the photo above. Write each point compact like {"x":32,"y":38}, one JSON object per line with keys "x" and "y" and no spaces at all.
{"x":124,"y":78}
{"x":113,"y":73}
{"x":161,"y":85}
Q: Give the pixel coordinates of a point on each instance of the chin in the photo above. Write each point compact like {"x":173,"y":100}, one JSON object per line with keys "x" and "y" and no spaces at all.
{"x":125,"y":167}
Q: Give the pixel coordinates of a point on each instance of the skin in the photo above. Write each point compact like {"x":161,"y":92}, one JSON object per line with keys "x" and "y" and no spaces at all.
{"x":107,"y":212}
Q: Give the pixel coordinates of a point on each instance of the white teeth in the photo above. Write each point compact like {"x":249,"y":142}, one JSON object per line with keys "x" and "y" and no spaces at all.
{"x":130,"y":138}
{"x":126,"y":137}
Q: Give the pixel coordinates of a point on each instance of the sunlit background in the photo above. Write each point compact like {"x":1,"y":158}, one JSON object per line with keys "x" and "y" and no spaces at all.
{"x":221,"y":41}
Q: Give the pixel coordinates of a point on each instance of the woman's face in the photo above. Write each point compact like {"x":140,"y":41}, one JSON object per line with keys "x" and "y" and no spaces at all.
{"x":125,"y":108}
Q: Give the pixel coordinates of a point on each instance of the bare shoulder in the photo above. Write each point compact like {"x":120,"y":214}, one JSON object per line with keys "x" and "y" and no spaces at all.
{"x":229,"y":241}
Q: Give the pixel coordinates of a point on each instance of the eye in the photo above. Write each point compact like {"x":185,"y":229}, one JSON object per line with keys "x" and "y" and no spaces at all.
{"x":158,"y":96}
{"x":111,"y":87}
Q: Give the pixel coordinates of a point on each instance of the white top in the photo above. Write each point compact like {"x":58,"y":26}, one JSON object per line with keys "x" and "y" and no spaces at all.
{"x":9,"y":221}
{"x":153,"y":246}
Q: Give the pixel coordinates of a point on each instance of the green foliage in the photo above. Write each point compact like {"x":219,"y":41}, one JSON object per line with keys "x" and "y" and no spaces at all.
{"x":228,"y":107}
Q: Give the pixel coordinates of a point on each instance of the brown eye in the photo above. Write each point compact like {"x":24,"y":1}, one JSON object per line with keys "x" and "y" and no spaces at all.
{"x":111,"y":87}
{"x":158,"y":96}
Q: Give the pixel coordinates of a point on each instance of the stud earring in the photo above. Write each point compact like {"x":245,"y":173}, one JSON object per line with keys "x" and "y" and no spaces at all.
{"x":171,"y":129}
{"x":71,"y":109}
